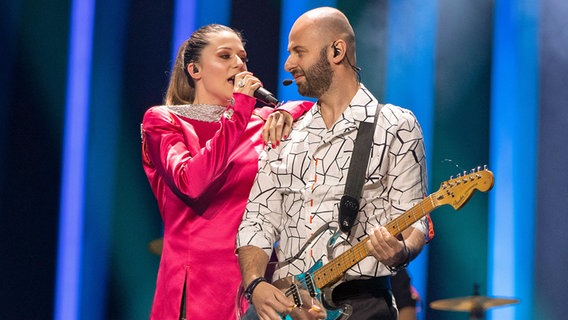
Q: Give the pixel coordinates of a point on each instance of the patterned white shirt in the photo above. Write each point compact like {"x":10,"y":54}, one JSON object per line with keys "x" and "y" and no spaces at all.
{"x":299,"y":185}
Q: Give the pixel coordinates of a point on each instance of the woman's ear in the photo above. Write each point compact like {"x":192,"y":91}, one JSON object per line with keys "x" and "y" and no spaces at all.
{"x":193,"y":70}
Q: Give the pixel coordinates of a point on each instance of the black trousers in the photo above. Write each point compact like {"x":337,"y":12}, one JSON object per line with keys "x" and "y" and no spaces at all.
{"x":370,"y":299}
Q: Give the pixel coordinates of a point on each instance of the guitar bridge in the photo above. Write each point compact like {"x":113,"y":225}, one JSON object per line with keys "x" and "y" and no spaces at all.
{"x":294,"y":292}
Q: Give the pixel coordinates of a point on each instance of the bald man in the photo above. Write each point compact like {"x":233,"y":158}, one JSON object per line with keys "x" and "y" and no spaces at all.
{"x":295,"y":199}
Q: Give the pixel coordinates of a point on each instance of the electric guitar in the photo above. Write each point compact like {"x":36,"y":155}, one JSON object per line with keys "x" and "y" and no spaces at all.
{"x":314,"y":286}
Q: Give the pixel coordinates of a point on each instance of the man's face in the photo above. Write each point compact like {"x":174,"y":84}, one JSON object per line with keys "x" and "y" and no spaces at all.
{"x":308,"y":62}
{"x":318,"y":77}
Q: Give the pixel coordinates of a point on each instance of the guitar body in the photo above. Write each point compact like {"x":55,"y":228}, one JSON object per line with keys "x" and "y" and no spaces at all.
{"x":302,"y":289}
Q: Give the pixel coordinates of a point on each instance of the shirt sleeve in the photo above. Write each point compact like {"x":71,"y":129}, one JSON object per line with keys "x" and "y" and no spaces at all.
{"x":407,"y":168}
{"x":174,"y":150}
{"x":262,"y":219}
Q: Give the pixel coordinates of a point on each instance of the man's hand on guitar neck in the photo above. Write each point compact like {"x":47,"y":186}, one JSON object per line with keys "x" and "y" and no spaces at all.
{"x":391,"y":251}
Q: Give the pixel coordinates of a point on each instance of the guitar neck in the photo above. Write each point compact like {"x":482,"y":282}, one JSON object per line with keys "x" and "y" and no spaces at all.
{"x":332,"y":272}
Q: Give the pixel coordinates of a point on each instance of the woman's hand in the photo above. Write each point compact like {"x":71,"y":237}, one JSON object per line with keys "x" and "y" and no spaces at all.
{"x":246,"y":83}
{"x":277,"y":127}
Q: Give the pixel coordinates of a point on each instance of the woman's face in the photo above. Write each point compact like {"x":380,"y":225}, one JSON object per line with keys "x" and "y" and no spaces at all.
{"x":221,"y":60}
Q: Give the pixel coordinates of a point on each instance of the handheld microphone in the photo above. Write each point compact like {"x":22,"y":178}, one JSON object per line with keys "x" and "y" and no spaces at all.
{"x":287,"y":82}
{"x":265,"y":96}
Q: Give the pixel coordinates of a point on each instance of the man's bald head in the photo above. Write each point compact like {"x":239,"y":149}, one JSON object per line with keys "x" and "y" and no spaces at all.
{"x":327,"y":24}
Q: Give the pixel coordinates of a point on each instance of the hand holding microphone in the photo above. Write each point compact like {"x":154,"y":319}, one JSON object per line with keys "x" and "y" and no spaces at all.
{"x":266,"y":96}
{"x":259,"y":92}
{"x":246,"y":83}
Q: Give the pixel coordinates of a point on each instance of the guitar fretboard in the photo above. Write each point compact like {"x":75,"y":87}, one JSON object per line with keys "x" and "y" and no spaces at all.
{"x":334,"y":270}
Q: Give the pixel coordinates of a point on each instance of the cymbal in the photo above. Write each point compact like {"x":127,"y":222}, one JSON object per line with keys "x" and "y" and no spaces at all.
{"x":470,"y":303}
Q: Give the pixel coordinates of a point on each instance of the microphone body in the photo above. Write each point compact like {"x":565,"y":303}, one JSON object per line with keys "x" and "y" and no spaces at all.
{"x":265,"y":96}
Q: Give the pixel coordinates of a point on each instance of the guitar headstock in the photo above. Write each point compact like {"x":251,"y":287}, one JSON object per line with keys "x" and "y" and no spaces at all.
{"x":457,"y":191}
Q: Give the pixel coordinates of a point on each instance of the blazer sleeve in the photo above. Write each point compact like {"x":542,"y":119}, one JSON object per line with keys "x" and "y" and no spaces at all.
{"x":296,"y":108}
{"x":173,"y":149}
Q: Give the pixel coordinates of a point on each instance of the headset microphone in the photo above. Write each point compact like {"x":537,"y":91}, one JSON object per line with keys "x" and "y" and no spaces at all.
{"x":287,"y":82}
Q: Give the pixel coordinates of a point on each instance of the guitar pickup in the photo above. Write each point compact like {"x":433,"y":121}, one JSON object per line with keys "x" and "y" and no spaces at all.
{"x":310,"y":286}
{"x":294,"y":292}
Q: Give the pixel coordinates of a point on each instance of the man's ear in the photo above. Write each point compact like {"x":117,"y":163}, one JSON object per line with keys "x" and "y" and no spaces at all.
{"x":339,"y":50}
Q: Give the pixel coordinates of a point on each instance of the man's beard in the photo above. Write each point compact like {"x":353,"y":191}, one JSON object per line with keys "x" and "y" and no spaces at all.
{"x":318,"y":78}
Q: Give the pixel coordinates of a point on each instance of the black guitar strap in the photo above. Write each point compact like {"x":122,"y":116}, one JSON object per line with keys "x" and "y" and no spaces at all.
{"x":349,"y":204}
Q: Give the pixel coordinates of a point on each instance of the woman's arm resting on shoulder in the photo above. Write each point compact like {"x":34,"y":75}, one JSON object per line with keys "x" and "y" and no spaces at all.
{"x":279,"y":124}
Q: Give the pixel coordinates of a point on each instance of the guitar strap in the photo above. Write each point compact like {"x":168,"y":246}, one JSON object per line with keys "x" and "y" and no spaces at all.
{"x":349,"y":204}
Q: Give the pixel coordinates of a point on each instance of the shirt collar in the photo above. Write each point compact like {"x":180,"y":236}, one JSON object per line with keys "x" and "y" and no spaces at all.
{"x":361,"y":108}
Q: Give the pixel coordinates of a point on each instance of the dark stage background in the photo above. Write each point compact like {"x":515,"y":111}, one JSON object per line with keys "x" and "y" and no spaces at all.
{"x":487,"y":79}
